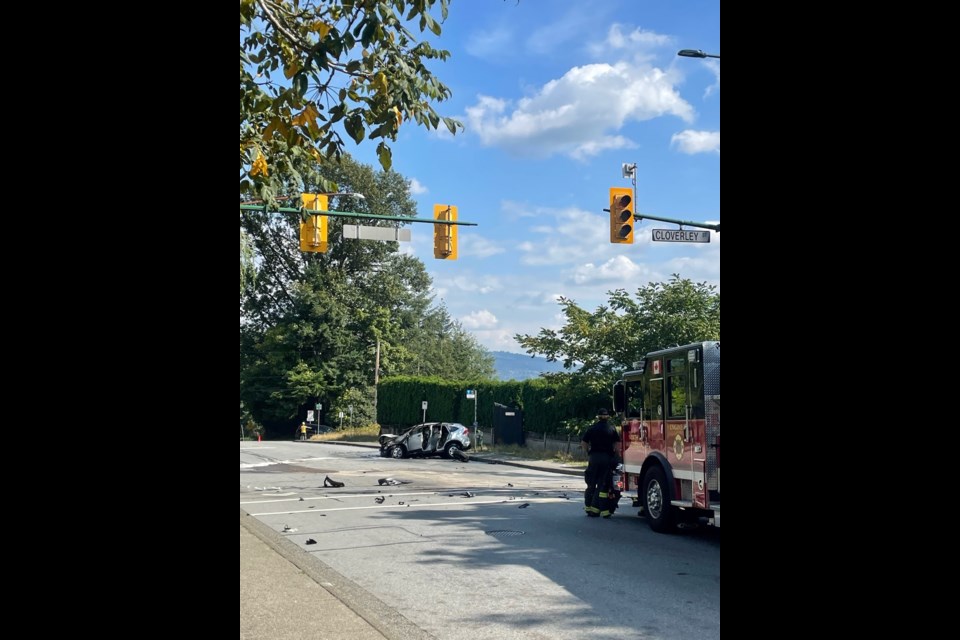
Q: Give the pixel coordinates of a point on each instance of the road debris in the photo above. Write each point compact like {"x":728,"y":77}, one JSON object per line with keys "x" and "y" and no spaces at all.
{"x":392,"y":481}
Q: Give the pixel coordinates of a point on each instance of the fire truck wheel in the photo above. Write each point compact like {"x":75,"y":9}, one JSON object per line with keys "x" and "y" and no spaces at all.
{"x":656,"y":501}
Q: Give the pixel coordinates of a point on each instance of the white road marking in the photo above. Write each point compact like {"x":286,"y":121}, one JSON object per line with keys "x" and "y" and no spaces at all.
{"x":251,"y":465}
{"x":342,"y":495}
{"x":412,"y":506}
{"x":401,"y":495}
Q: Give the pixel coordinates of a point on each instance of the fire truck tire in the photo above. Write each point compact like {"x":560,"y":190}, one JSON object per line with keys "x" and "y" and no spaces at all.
{"x":656,"y":501}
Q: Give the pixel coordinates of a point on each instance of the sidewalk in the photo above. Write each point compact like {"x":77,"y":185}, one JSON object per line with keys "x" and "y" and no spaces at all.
{"x":286,"y":593}
{"x":279,"y":600}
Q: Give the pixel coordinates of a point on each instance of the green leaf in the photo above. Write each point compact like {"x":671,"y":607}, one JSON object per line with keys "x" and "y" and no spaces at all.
{"x":432,"y":25}
{"x":300,"y":84}
{"x":354,"y":126}
{"x":368,"y":32}
{"x":452,"y":125}
{"x":385,"y":155}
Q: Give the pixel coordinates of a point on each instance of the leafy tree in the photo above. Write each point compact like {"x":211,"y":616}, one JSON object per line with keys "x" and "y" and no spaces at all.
{"x":440,"y":347}
{"x":247,"y":271}
{"x":350,"y":65}
{"x":608,"y":341}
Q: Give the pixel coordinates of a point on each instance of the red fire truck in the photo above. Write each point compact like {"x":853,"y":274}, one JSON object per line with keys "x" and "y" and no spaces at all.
{"x":670,"y":405}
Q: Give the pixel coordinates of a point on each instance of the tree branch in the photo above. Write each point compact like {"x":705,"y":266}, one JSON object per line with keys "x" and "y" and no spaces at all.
{"x":281,"y":28}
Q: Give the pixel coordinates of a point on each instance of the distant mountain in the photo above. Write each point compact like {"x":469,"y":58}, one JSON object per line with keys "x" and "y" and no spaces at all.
{"x":519,"y":366}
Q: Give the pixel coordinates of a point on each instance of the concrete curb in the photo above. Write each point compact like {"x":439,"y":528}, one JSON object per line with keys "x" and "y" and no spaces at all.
{"x":527,"y":465}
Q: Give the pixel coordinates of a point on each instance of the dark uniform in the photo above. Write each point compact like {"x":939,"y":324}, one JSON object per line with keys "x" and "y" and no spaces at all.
{"x":601,"y":438}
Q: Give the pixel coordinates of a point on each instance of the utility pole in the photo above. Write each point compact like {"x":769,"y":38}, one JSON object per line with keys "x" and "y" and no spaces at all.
{"x":630,"y":171}
{"x":376,"y":382}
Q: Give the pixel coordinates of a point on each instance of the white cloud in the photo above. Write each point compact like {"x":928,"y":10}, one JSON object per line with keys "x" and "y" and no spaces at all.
{"x":416,"y":188}
{"x":475,"y":284}
{"x":579,"y":113}
{"x":477,"y":246}
{"x":498,"y":339}
{"x":617,"y":271}
{"x":640,"y":45}
{"x":697,"y":268}
{"x":570,"y":236}
{"x":595,"y":147}
{"x":638,"y":38}
{"x":714,"y":66}
{"x":513,"y":210}
{"x":690,"y":141}
{"x":479,"y":320}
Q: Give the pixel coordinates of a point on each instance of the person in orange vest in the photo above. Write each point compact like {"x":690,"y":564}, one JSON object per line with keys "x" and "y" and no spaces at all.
{"x":303,"y":431}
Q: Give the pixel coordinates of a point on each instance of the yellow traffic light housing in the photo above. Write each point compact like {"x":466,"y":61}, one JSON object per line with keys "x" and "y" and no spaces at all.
{"x":313,"y":230}
{"x":444,"y":235}
{"x":621,"y":215}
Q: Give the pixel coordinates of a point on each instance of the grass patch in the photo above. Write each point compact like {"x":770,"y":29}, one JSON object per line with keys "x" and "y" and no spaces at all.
{"x":369,"y":433}
{"x":536,"y":454}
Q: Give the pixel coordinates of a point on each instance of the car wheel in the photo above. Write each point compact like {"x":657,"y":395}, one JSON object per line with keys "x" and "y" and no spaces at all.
{"x":656,"y":501}
{"x":397,"y":452}
{"x":448,"y":450}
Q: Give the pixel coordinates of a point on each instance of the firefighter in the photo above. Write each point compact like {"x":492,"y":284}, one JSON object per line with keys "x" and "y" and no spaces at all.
{"x":601,"y":444}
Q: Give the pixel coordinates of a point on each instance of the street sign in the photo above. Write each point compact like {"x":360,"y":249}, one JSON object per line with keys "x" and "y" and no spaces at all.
{"x":423,"y":405}
{"x":679,"y":235}
{"x":361,"y":232}
{"x":309,"y":415}
{"x":319,"y":406}
{"x":471,"y":394}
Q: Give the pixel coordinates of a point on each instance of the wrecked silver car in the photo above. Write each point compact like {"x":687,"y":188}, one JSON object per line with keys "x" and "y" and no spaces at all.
{"x":427,"y":439}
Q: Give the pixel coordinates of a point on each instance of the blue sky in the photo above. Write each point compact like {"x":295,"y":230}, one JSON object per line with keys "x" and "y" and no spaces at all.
{"x":555,"y":96}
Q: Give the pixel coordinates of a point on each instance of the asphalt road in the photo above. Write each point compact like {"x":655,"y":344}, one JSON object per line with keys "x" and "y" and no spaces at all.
{"x":454,"y":551}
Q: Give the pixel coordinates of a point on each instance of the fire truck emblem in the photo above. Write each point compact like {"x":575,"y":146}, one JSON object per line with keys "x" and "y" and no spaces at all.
{"x":678,"y":447}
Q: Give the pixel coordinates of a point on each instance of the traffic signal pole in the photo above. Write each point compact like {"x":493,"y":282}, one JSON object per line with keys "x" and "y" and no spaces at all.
{"x":630,"y":171}
{"x":352,"y":214}
{"x":702,"y":225}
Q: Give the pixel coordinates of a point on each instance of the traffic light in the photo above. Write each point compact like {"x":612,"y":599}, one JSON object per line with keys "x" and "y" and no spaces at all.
{"x":444,"y":235}
{"x":621,"y":215}
{"x":313,"y":230}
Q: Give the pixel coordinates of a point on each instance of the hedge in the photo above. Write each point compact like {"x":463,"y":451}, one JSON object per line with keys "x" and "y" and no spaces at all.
{"x":544,"y":407}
